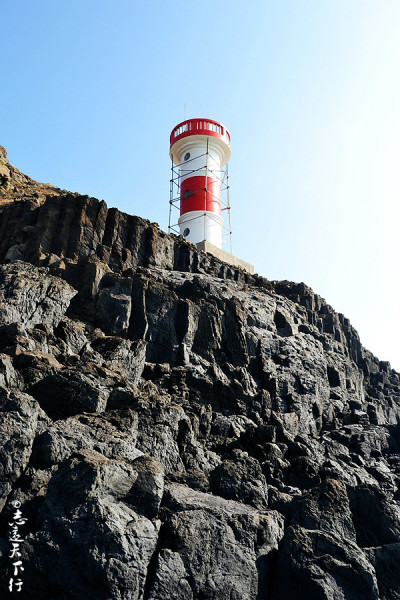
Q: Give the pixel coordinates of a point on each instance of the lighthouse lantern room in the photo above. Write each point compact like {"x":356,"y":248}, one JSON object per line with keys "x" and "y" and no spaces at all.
{"x":199,"y":149}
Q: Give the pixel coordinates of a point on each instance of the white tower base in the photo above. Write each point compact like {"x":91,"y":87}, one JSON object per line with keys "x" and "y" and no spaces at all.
{"x":226,"y":256}
{"x":197,"y":226}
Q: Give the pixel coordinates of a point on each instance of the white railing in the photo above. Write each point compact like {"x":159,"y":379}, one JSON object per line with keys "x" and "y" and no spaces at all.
{"x":200,"y":125}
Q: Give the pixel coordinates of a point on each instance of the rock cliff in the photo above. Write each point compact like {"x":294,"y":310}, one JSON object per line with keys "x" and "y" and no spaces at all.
{"x":175,"y":428}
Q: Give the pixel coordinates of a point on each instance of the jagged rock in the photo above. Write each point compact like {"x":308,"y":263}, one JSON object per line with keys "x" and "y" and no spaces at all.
{"x":146,"y":493}
{"x":114,"y":304}
{"x":33,"y":366}
{"x":87,"y":432}
{"x":320,"y":567}
{"x":116,"y":351}
{"x":71,"y":391}
{"x":324,"y":508}
{"x":230,"y":548}
{"x":19,"y":415}
{"x":4,"y":170}
{"x":385,"y":560}
{"x":29,"y":296}
{"x":171,"y":578}
{"x":14,"y":185}
{"x":73,"y":334}
{"x":376,"y":518}
{"x":85,"y":515}
{"x":240,"y":478}
{"x":8,"y":376}
{"x":175,"y":427}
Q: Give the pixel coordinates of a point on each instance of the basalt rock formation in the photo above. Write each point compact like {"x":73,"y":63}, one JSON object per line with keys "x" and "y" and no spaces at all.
{"x":176,"y":428}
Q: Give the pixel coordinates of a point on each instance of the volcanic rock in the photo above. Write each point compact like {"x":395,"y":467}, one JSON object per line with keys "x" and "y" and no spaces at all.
{"x":177,"y":428}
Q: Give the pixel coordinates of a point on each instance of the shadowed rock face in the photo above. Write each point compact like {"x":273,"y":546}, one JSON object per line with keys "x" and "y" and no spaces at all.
{"x":177,"y":429}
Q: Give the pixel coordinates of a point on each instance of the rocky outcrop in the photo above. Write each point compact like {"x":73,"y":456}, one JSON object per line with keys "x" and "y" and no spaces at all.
{"x":176,"y":428}
{"x":15,"y":185}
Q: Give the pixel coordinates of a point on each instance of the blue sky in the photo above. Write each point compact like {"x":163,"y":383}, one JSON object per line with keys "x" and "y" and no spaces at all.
{"x":310,"y":91}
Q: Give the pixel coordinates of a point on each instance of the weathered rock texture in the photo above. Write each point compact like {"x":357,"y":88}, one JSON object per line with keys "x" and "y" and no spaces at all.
{"x":177,"y":429}
{"x":14,"y":185}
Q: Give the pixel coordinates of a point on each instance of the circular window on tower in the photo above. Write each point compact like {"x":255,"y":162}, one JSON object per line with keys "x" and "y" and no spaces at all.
{"x":187,"y":156}
{"x":186,"y":232}
{"x":186,"y":194}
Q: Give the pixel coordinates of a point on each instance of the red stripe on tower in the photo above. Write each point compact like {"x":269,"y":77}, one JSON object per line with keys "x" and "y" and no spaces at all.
{"x":200,"y":193}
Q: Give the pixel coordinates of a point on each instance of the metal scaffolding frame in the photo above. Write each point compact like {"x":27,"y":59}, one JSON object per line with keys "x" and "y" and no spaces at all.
{"x":174,"y":196}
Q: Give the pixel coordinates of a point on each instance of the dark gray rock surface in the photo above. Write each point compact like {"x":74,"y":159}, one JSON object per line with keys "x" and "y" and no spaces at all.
{"x":175,"y":428}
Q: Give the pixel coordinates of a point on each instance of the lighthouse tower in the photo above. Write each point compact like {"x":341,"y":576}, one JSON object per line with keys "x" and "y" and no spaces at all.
{"x":200,"y":148}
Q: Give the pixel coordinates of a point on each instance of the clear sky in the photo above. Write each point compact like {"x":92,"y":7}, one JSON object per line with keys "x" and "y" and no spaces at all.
{"x":310,"y":91}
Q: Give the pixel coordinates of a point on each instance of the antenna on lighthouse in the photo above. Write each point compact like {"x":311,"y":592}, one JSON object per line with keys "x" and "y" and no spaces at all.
{"x":199,"y":150}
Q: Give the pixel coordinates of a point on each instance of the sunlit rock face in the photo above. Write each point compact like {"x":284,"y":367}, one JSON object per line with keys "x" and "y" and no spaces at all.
{"x":174,"y":428}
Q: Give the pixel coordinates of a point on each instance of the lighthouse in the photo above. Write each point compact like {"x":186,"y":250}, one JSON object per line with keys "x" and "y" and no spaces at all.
{"x":200,"y":148}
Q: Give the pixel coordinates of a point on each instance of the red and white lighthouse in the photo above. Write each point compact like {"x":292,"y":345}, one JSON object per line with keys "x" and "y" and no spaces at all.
{"x":200,"y":148}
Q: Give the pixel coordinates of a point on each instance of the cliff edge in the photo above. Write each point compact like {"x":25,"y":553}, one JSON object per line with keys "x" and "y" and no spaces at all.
{"x":176,"y":428}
